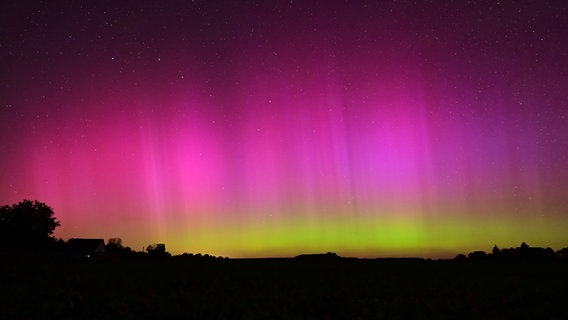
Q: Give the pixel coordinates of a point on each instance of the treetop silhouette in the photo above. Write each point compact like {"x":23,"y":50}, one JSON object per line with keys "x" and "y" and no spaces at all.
{"x":27,"y":225}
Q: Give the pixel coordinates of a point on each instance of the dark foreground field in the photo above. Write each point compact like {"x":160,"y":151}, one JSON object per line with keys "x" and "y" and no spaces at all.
{"x":283,"y":289}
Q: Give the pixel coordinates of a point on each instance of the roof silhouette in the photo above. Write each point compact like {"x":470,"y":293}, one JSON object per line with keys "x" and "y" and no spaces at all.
{"x":86,"y":247}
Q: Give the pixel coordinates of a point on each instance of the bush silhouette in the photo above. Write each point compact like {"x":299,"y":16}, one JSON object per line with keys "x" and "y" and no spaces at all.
{"x":157,"y":250}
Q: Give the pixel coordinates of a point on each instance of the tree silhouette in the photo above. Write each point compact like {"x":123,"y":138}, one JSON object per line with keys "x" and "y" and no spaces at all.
{"x":27,"y":225}
{"x":496,"y":250}
{"x":114,"y":245}
{"x":157,"y":250}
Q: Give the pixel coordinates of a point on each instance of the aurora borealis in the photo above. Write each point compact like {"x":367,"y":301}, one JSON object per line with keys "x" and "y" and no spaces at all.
{"x":274,"y":128}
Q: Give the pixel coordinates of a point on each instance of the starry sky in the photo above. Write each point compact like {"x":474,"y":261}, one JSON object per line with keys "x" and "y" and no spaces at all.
{"x":275,"y":128}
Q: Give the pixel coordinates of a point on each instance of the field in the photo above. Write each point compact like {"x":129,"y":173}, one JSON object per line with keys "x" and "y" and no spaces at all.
{"x":283,"y":289}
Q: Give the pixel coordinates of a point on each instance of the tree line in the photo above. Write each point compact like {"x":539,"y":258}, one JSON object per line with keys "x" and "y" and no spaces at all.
{"x":27,"y":227}
{"x":523,"y":252}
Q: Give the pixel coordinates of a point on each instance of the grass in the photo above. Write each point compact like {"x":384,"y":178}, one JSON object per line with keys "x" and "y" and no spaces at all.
{"x":283,"y":289}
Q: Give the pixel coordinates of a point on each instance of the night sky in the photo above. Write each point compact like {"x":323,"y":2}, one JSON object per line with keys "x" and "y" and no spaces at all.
{"x":274,"y":128}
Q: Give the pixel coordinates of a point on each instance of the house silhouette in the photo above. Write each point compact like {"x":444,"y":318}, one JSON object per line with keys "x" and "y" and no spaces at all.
{"x":86,"y":248}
